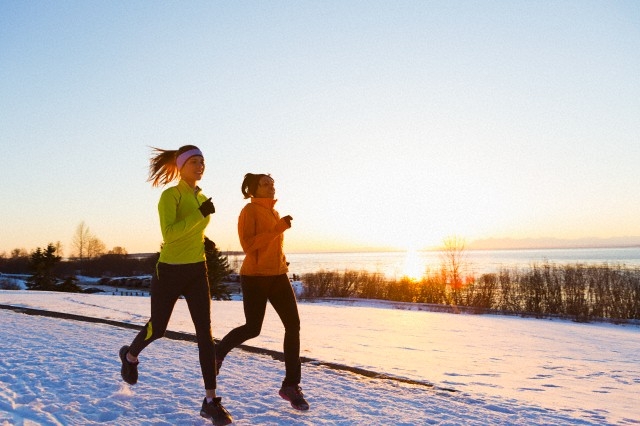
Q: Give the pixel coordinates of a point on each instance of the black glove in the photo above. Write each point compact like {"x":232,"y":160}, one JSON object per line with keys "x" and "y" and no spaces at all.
{"x":209,"y":245}
{"x":207,"y":208}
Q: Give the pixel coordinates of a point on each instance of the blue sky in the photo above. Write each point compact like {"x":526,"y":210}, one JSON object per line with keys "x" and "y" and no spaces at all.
{"x":385,"y":124}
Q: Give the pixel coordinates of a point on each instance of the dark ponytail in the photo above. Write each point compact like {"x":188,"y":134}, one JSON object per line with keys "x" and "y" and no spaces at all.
{"x":250,"y":184}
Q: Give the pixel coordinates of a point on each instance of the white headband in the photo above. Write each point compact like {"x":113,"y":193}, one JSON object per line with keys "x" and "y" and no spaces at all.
{"x":182,"y":158}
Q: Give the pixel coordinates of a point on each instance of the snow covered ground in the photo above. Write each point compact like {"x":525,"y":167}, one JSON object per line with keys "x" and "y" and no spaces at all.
{"x":457,"y":369}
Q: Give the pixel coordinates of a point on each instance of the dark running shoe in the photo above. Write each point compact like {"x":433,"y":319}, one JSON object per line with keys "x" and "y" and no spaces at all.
{"x":293,"y":394}
{"x":129,"y":370}
{"x":215,"y":412}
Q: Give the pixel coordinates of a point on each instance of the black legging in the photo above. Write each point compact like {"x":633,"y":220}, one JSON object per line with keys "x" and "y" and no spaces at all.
{"x":167,"y":285}
{"x":256,"y":291}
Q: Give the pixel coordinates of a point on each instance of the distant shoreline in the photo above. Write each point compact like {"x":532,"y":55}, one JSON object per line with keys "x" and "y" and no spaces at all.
{"x":630,"y":246}
{"x":470,"y":247}
{"x":553,"y":243}
{"x":576,"y":247}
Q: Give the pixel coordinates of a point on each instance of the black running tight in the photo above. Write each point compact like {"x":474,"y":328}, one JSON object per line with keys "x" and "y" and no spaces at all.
{"x":168,"y":284}
{"x":256,"y":292}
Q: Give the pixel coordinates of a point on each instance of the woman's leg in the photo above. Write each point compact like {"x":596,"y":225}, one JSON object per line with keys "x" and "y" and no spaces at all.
{"x":283,"y":300}
{"x":254,"y":301}
{"x":165,"y":290}
{"x":198,"y":300}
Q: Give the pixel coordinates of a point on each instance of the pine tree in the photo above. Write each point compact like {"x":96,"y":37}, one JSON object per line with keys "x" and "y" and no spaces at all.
{"x":217,"y":270}
{"x":69,"y":285}
{"x":42,"y":263}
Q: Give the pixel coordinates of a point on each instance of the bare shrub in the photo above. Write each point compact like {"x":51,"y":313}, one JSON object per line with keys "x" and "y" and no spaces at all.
{"x":510,"y":298}
{"x":320,"y":283}
{"x":576,"y":291}
{"x":371,"y":286}
{"x":481,"y":293}
{"x":402,"y":290}
{"x":347,"y":284}
{"x":432,"y":288}
{"x":553,"y":283}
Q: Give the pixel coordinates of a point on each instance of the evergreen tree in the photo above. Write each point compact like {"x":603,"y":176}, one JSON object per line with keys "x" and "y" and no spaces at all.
{"x":69,"y":285}
{"x":217,"y":269}
{"x":42,"y":263}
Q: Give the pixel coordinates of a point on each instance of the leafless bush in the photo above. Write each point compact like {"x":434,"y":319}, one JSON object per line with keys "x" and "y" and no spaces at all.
{"x":432,"y":288}
{"x":454,"y":266}
{"x":403,"y":290}
{"x":578,"y":291}
{"x":576,"y":303}
{"x":319,"y":284}
{"x":481,"y":293}
{"x":347,"y":284}
{"x":510,"y":299}
{"x":372,"y":286}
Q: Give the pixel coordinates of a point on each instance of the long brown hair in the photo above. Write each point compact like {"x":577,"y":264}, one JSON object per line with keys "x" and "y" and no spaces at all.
{"x":162,"y":165}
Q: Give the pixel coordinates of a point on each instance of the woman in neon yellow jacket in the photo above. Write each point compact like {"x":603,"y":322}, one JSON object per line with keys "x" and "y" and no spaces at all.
{"x":264,"y":279}
{"x":181,"y":270}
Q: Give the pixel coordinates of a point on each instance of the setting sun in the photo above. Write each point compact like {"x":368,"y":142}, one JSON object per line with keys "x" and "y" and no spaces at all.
{"x":414,"y":267}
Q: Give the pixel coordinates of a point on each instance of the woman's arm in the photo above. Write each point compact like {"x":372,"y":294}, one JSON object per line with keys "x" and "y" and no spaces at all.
{"x":250,"y":239}
{"x":173,"y":229}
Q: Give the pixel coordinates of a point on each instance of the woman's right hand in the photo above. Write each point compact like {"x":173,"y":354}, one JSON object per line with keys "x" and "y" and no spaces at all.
{"x":284,"y":223}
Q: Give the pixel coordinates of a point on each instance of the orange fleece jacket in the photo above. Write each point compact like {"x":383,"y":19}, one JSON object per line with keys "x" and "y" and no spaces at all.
{"x":261,"y":232}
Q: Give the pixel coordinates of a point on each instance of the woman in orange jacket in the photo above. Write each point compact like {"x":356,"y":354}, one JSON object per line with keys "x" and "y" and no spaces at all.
{"x":264,"y":279}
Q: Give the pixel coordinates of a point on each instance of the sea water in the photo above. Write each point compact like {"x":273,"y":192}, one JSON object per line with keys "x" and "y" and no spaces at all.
{"x":398,"y":264}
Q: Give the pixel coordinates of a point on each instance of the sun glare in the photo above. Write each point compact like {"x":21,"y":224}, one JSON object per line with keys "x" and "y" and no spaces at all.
{"x":413,"y":266}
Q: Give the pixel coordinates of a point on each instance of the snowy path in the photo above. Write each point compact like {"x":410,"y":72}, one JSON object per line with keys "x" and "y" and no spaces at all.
{"x":62,"y":372}
{"x":505,"y":370}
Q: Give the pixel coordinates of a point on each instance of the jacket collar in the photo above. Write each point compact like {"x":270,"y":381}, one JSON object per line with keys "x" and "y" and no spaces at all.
{"x":184,"y":186}
{"x":264,"y":202}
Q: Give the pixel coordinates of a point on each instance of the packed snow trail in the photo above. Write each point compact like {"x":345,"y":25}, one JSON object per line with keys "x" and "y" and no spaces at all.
{"x":61,"y":372}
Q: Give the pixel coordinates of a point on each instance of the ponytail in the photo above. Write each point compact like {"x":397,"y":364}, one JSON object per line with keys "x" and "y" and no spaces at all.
{"x":250,"y":184}
{"x":162,"y":165}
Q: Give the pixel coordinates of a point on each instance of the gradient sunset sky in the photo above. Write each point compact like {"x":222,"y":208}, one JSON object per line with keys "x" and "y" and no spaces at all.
{"x":386,"y":124}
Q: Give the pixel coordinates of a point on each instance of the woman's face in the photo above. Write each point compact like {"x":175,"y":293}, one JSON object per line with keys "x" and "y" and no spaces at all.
{"x":265,"y":188}
{"x":193,"y":169}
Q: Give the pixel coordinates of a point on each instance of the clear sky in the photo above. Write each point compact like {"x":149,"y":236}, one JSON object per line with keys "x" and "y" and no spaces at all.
{"x":386,"y":124}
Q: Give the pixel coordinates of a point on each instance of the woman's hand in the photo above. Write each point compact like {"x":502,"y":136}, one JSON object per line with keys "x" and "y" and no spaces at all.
{"x":207,"y":208}
{"x":283,"y":224}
